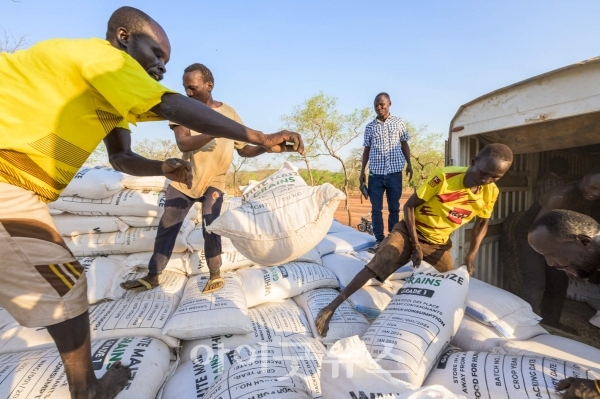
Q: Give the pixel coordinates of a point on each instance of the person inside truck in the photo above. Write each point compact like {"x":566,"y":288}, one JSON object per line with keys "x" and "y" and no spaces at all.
{"x":543,"y":287}
{"x":449,"y":199}
{"x":58,"y":100}
{"x":558,"y":167}
{"x":569,"y":242}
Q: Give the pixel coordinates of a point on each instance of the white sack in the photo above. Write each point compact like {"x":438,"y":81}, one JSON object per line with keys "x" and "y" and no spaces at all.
{"x":345,"y":266}
{"x":40,"y":374}
{"x":203,"y":315}
{"x":5,"y":318}
{"x":139,"y":313}
{"x":583,"y":291}
{"x":595,"y":319}
{"x":337,"y":227}
{"x":196,"y":239}
{"x":495,"y":376}
{"x":498,"y":308}
{"x":124,"y":203}
{"x":349,"y":372}
{"x":71,"y":225}
{"x":153,"y":221}
{"x":371,"y":300}
{"x":95,"y":183}
{"x":134,"y":239}
{"x":146,"y":183}
{"x":284,"y":371}
{"x":409,"y":335}
{"x":345,"y":321}
{"x":311,"y":256}
{"x":475,"y":336}
{"x":401,"y":273}
{"x":16,"y":338}
{"x":104,"y":276}
{"x":179,"y":262}
{"x":281,"y":218}
{"x":55,"y":212}
{"x":269,"y":321}
{"x":556,"y":347}
{"x":344,"y":242}
{"x":230,"y":260}
{"x":268,"y":284}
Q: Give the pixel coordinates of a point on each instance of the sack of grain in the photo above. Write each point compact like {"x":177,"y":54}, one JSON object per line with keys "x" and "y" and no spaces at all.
{"x":582,"y":291}
{"x":196,"y":240}
{"x":104,"y":276}
{"x":344,"y":242}
{"x":153,"y":221}
{"x":349,"y":372}
{"x":268,"y":284}
{"x":203,"y":315}
{"x":230,"y":260}
{"x":270,"y":320}
{"x":179,"y":262}
{"x":134,"y":239}
{"x":475,"y":336}
{"x":281,"y":218}
{"x":346,"y":266}
{"x":123,"y":203}
{"x":40,"y":373}
{"x":497,"y":376}
{"x":345,"y":321}
{"x":371,"y":300}
{"x":498,"y":308}
{"x":94,"y":183}
{"x":413,"y":330}
{"x":5,"y":318}
{"x":72,"y":225}
{"x":146,"y":183}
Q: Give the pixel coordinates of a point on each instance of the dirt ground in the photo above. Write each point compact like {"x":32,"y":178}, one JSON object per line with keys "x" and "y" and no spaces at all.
{"x":575,"y":314}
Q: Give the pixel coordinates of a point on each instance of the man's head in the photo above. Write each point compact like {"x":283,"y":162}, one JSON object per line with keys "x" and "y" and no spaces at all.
{"x":489,"y":165}
{"x":568,"y":240}
{"x":590,"y":184}
{"x":198,"y":82}
{"x":559,"y":166}
{"x":134,"y":32}
{"x":382,"y":105}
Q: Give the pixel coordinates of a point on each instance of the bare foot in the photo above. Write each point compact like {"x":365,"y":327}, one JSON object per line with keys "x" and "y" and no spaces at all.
{"x":322,"y":321}
{"x":151,"y":279}
{"x":111,"y":383}
{"x":560,"y":326}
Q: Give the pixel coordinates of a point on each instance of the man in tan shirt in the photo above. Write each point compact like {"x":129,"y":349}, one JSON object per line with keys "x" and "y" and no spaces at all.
{"x":210,"y":158}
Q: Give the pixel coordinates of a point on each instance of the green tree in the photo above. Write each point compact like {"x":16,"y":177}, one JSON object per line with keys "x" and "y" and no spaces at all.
{"x":333,"y":131}
{"x":300,"y":121}
{"x":99,"y":157}
{"x":159,"y":149}
{"x":426,"y":151}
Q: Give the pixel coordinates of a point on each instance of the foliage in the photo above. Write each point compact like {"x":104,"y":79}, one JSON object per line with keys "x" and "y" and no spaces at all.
{"x":426,"y":152}
{"x":300,"y":121}
{"x":159,"y":149}
{"x":99,"y":157}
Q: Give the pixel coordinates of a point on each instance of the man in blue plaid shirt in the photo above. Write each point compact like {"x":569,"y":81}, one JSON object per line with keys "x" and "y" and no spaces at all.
{"x":387,"y":152}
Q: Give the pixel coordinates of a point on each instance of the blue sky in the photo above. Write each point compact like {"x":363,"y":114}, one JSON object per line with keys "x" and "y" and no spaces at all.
{"x":268,"y":56}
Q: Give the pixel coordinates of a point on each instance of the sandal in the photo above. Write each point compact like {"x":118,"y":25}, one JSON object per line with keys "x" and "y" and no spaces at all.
{"x":213,"y":285}
{"x":145,"y":286}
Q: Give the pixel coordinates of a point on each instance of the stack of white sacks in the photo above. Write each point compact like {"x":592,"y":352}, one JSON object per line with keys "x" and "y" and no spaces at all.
{"x":408,"y":337}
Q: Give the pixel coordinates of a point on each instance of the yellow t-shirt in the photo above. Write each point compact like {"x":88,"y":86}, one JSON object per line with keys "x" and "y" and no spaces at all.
{"x":58,"y":100}
{"x":211,"y":162}
{"x":449,"y":204}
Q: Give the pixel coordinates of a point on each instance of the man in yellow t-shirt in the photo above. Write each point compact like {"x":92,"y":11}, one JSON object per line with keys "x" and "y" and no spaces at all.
{"x":58,"y":100}
{"x":450,"y":198}
{"x":210,"y":158}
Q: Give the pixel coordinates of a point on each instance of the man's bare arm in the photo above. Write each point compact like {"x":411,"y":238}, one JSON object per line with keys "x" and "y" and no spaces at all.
{"x":406,"y":152}
{"x":251,"y":151}
{"x":477,"y":235}
{"x":200,"y":118}
{"x":123,"y":159}
{"x":409,"y":219}
{"x":363,"y":166}
{"x":186,"y":142}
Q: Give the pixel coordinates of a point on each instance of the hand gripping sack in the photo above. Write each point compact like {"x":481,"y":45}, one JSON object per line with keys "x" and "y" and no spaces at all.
{"x":345,"y":321}
{"x":497,"y":376}
{"x":269,"y":321}
{"x":123,"y":203}
{"x":410,"y":334}
{"x":349,"y":372}
{"x":203,"y":315}
{"x":281,"y":218}
{"x":40,"y":373}
{"x":289,"y":369}
{"x":94,"y":183}
{"x":268,"y":284}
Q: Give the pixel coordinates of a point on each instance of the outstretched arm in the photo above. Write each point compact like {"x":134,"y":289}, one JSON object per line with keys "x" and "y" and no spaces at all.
{"x":477,"y":235}
{"x":251,"y":151}
{"x":197,"y":116}
{"x":123,"y":159}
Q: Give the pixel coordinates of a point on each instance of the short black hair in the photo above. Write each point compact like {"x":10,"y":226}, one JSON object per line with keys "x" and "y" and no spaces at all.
{"x":383,"y":94}
{"x":565,"y":225}
{"x":496,"y":150}
{"x":559,"y":165}
{"x":132,"y":19}
{"x":206,"y":73}
{"x":594,"y":171}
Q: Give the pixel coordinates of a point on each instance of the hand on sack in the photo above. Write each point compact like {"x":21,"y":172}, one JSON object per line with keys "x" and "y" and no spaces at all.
{"x":470,"y":263}
{"x":578,"y":388}
{"x":417,"y":256}
{"x":278,"y":142}
{"x":178,"y":170}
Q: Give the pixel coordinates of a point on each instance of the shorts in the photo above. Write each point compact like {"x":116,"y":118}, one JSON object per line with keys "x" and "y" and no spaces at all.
{"x":41,"y":282}
{"x":396,"y":250}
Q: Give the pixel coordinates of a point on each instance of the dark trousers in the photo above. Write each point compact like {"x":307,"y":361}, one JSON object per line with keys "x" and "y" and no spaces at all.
{"x":177,"y":206}
{"x":392,"y":186}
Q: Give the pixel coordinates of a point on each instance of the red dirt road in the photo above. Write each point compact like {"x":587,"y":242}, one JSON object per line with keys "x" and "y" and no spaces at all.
{"x":363,"y":209}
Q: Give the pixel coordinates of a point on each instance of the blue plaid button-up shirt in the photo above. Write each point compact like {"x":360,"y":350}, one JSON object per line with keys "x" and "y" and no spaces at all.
{"x":384,"y":138}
